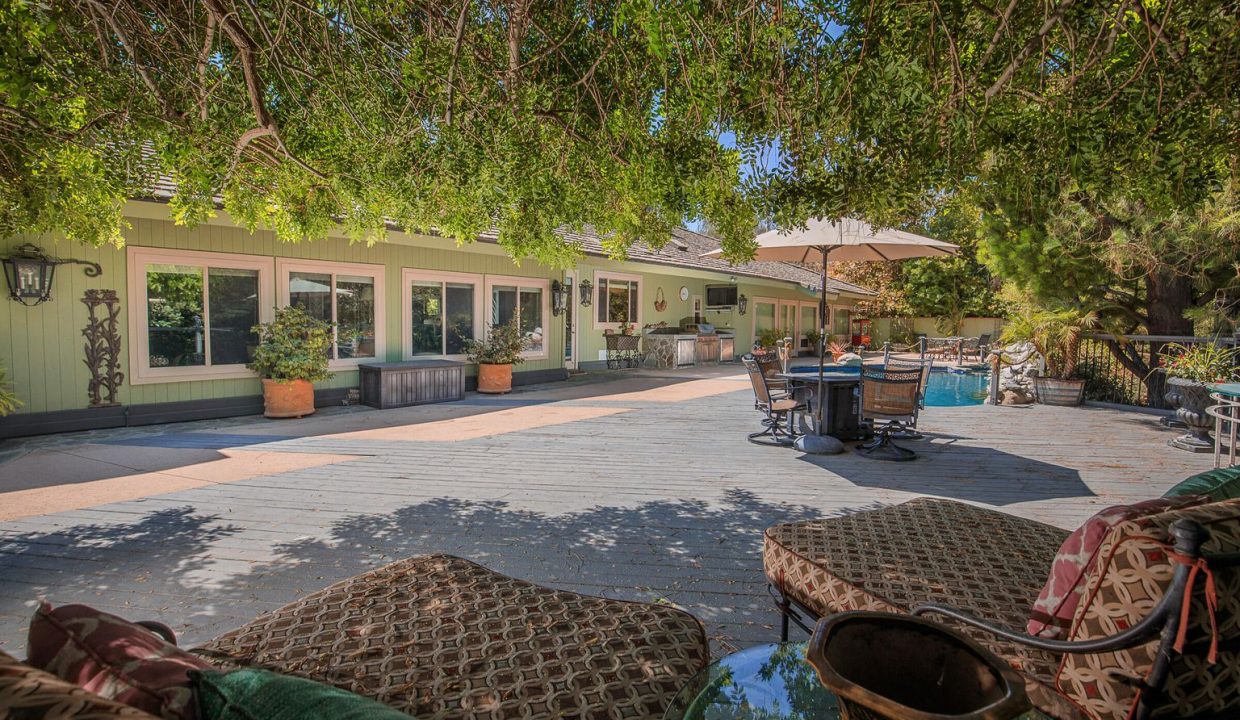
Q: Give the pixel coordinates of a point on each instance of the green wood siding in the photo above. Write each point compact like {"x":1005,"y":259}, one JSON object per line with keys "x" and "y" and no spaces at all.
{"x":43,"y":347}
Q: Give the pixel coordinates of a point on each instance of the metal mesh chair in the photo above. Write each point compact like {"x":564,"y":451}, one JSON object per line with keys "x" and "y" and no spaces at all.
{"x":778,"y":409}
{"x":772,"y":366}
{"x":892,"y":396}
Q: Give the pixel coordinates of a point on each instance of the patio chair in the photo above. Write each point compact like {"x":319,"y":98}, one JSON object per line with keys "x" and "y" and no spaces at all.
{"x":978,"y":570}
{"x":925,"y":367}
{"x":778,"y":409}
{"x":892,"y":396}
{"x":771,"y":367}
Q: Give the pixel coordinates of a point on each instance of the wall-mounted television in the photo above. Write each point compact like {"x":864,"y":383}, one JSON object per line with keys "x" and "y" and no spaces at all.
{"x":720,"y":296}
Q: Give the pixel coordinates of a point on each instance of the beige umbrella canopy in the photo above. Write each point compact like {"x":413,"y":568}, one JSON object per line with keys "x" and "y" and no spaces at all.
{"x":845,"y":239}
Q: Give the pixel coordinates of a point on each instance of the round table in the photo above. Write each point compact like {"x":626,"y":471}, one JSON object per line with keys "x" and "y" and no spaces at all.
{"x":767,"y":681}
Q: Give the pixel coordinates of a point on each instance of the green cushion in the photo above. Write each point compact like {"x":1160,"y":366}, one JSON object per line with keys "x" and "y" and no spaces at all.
{"x":1219,"y":484}
{"x":252,"y":694}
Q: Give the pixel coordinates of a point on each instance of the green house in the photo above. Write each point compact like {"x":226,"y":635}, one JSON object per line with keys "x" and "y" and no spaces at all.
{"x":187,"y":298}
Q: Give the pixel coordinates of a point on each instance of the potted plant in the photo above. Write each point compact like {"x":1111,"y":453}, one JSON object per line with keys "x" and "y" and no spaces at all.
{"x":812,"y":338}
{"x":767,"y":339}
{"x":9,"y":403}
{"x":496,"y":355}
{"x":1190,"y":370}
{"x":1056,"y":335}
{"x":292,"y":354}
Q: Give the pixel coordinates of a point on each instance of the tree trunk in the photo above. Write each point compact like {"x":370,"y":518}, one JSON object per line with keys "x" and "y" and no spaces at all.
{"x":1167,"y":296}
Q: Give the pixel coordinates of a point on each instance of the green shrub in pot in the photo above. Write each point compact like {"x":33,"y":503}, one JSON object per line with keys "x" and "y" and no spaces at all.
{"x":292,"y":354}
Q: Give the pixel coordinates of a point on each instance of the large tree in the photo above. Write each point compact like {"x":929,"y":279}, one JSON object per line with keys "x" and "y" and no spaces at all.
{"x":459,"y":115}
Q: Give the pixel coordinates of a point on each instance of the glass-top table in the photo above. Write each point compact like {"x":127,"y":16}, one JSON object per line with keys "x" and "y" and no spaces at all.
{"x":766,"y":682}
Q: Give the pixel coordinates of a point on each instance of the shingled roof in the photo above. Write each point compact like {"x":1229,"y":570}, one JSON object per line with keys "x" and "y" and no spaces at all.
{"x":684,"y":250}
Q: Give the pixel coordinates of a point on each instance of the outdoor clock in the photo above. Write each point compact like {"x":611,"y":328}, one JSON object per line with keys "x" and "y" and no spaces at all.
{"x":684,"y":293}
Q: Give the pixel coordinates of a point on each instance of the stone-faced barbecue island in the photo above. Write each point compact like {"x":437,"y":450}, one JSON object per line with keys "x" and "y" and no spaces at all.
{"x":692,"y":343}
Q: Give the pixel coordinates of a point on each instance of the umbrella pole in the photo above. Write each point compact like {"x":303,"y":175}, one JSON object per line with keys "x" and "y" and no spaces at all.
{"x":822,"y":335}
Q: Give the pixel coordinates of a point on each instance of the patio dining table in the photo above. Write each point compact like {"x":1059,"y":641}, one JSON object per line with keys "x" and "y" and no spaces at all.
{"x":841,"y":415}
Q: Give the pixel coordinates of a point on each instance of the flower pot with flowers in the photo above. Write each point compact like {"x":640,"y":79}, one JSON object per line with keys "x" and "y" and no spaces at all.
{"x":292,"y":355}
{"x":1190,"y":369}
{"x":496,"y":355}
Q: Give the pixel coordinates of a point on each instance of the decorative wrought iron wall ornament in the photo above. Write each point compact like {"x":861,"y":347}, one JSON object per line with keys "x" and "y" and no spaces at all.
{"x":30,"y":272}
{"x":103,"y":346}
{"x":587,"y":293}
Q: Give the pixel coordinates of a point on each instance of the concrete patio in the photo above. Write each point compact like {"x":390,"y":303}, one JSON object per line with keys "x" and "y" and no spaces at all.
{"x":639,"y":486}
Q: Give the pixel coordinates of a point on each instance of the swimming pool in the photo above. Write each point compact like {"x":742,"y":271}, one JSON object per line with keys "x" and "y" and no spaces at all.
{"x":955,"y":389}
{"x":946,"y":388}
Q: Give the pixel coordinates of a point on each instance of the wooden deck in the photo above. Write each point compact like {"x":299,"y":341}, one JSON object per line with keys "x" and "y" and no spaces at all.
{"x":641,"y":487}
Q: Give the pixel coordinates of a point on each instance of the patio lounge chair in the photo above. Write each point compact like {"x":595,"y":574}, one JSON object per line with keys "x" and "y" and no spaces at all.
{"x":436,"y":636}
{"x":979,"y":571}
{"x":777,"y":407}
{"x":891,"y":396}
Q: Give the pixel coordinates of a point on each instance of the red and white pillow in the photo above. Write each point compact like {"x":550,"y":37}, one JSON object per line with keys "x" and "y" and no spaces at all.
{"x":113,"y":658}
{"x":1052,"y":613}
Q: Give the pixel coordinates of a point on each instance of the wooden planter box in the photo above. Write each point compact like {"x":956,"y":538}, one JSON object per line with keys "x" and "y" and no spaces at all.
{"x":414,"y":382}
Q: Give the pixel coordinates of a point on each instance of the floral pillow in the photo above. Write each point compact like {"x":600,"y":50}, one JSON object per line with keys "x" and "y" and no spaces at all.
{"x":28,"y":693}
{"x":1055,"y":607}
{"x":113,"y":658}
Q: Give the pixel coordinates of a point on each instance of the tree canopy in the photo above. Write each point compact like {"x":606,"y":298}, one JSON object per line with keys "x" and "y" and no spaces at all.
{"x":630,"y":115}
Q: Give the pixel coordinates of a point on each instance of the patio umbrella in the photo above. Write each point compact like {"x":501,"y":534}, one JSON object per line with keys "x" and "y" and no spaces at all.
{"x":845,"y":239}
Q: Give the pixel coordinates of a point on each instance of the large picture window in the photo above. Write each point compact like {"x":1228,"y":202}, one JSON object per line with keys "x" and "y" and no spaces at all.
{"x":195,"y":311}
{"x":347,"y":294}
{"x":444,"y":312}
{"x":618,"y":301}
{"x":523,"y":300}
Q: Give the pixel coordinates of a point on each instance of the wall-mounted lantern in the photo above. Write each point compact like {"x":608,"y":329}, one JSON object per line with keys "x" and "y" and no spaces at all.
{"x":587,"y":293}
{"x":560,"y":294}
{"x":30,"y":272}
{"x":742,"y":304}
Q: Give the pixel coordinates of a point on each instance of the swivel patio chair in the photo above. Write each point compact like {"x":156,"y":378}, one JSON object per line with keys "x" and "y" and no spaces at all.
{"x":772,"y":366}
{"x":924,"y":366}
{"x":892,"y":396}
{"x":778,"y":409}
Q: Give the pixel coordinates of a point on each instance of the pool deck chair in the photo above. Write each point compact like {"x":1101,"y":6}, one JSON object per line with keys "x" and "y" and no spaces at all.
{"x":925,"y":367}
{"x":890,"y":396}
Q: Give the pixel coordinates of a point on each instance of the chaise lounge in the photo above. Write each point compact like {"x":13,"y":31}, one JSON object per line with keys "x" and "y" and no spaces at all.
{"x":437,"y":636}
{"x":980,"y":571}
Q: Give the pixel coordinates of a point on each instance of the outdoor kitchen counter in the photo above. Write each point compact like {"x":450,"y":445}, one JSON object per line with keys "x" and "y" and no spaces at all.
{"x":671,"y":350}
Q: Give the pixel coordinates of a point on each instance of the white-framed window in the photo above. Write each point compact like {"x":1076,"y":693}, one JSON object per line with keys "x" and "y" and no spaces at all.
{"x":348,"y":294}
{"x":524,"y":300}
{"x":618,"y":299}
{"x":191,"y":313}
{"x":442,"y":312}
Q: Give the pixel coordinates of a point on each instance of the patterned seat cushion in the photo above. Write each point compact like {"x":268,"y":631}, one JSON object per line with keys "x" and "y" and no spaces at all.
{"x":987,"y":563}
{"x":28,"y":693}
{"x":440,"y":637}
{"x":1130,"y":574}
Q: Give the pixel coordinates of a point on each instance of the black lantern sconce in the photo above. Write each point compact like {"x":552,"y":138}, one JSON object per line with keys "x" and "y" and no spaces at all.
{"x":742,"y":304}
{"x":587,"y":293}
{"x":560,"y":294}
{"x":29,"y":274}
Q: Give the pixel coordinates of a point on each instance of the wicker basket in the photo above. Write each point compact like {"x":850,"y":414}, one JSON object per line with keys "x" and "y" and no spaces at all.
{"x":902,"y":667}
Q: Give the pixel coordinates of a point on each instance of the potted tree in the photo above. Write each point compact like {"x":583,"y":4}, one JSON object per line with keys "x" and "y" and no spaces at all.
{"x":496,"y":355}
{"x":292,"y":354}
{"x":1190,"y":370}
{"x":1056,"y":335}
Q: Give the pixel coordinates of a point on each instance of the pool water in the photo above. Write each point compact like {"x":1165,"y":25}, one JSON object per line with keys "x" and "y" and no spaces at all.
{"x":955,"y":389}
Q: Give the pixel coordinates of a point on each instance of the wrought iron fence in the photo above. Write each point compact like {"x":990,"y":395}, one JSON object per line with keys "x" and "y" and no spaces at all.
{"x":1108,"y":380}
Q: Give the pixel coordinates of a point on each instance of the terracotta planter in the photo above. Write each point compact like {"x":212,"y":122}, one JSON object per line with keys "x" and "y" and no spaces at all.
{"x":1050,"y":391}
{"x":287,"y":398}
{"x":494,"y":378}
